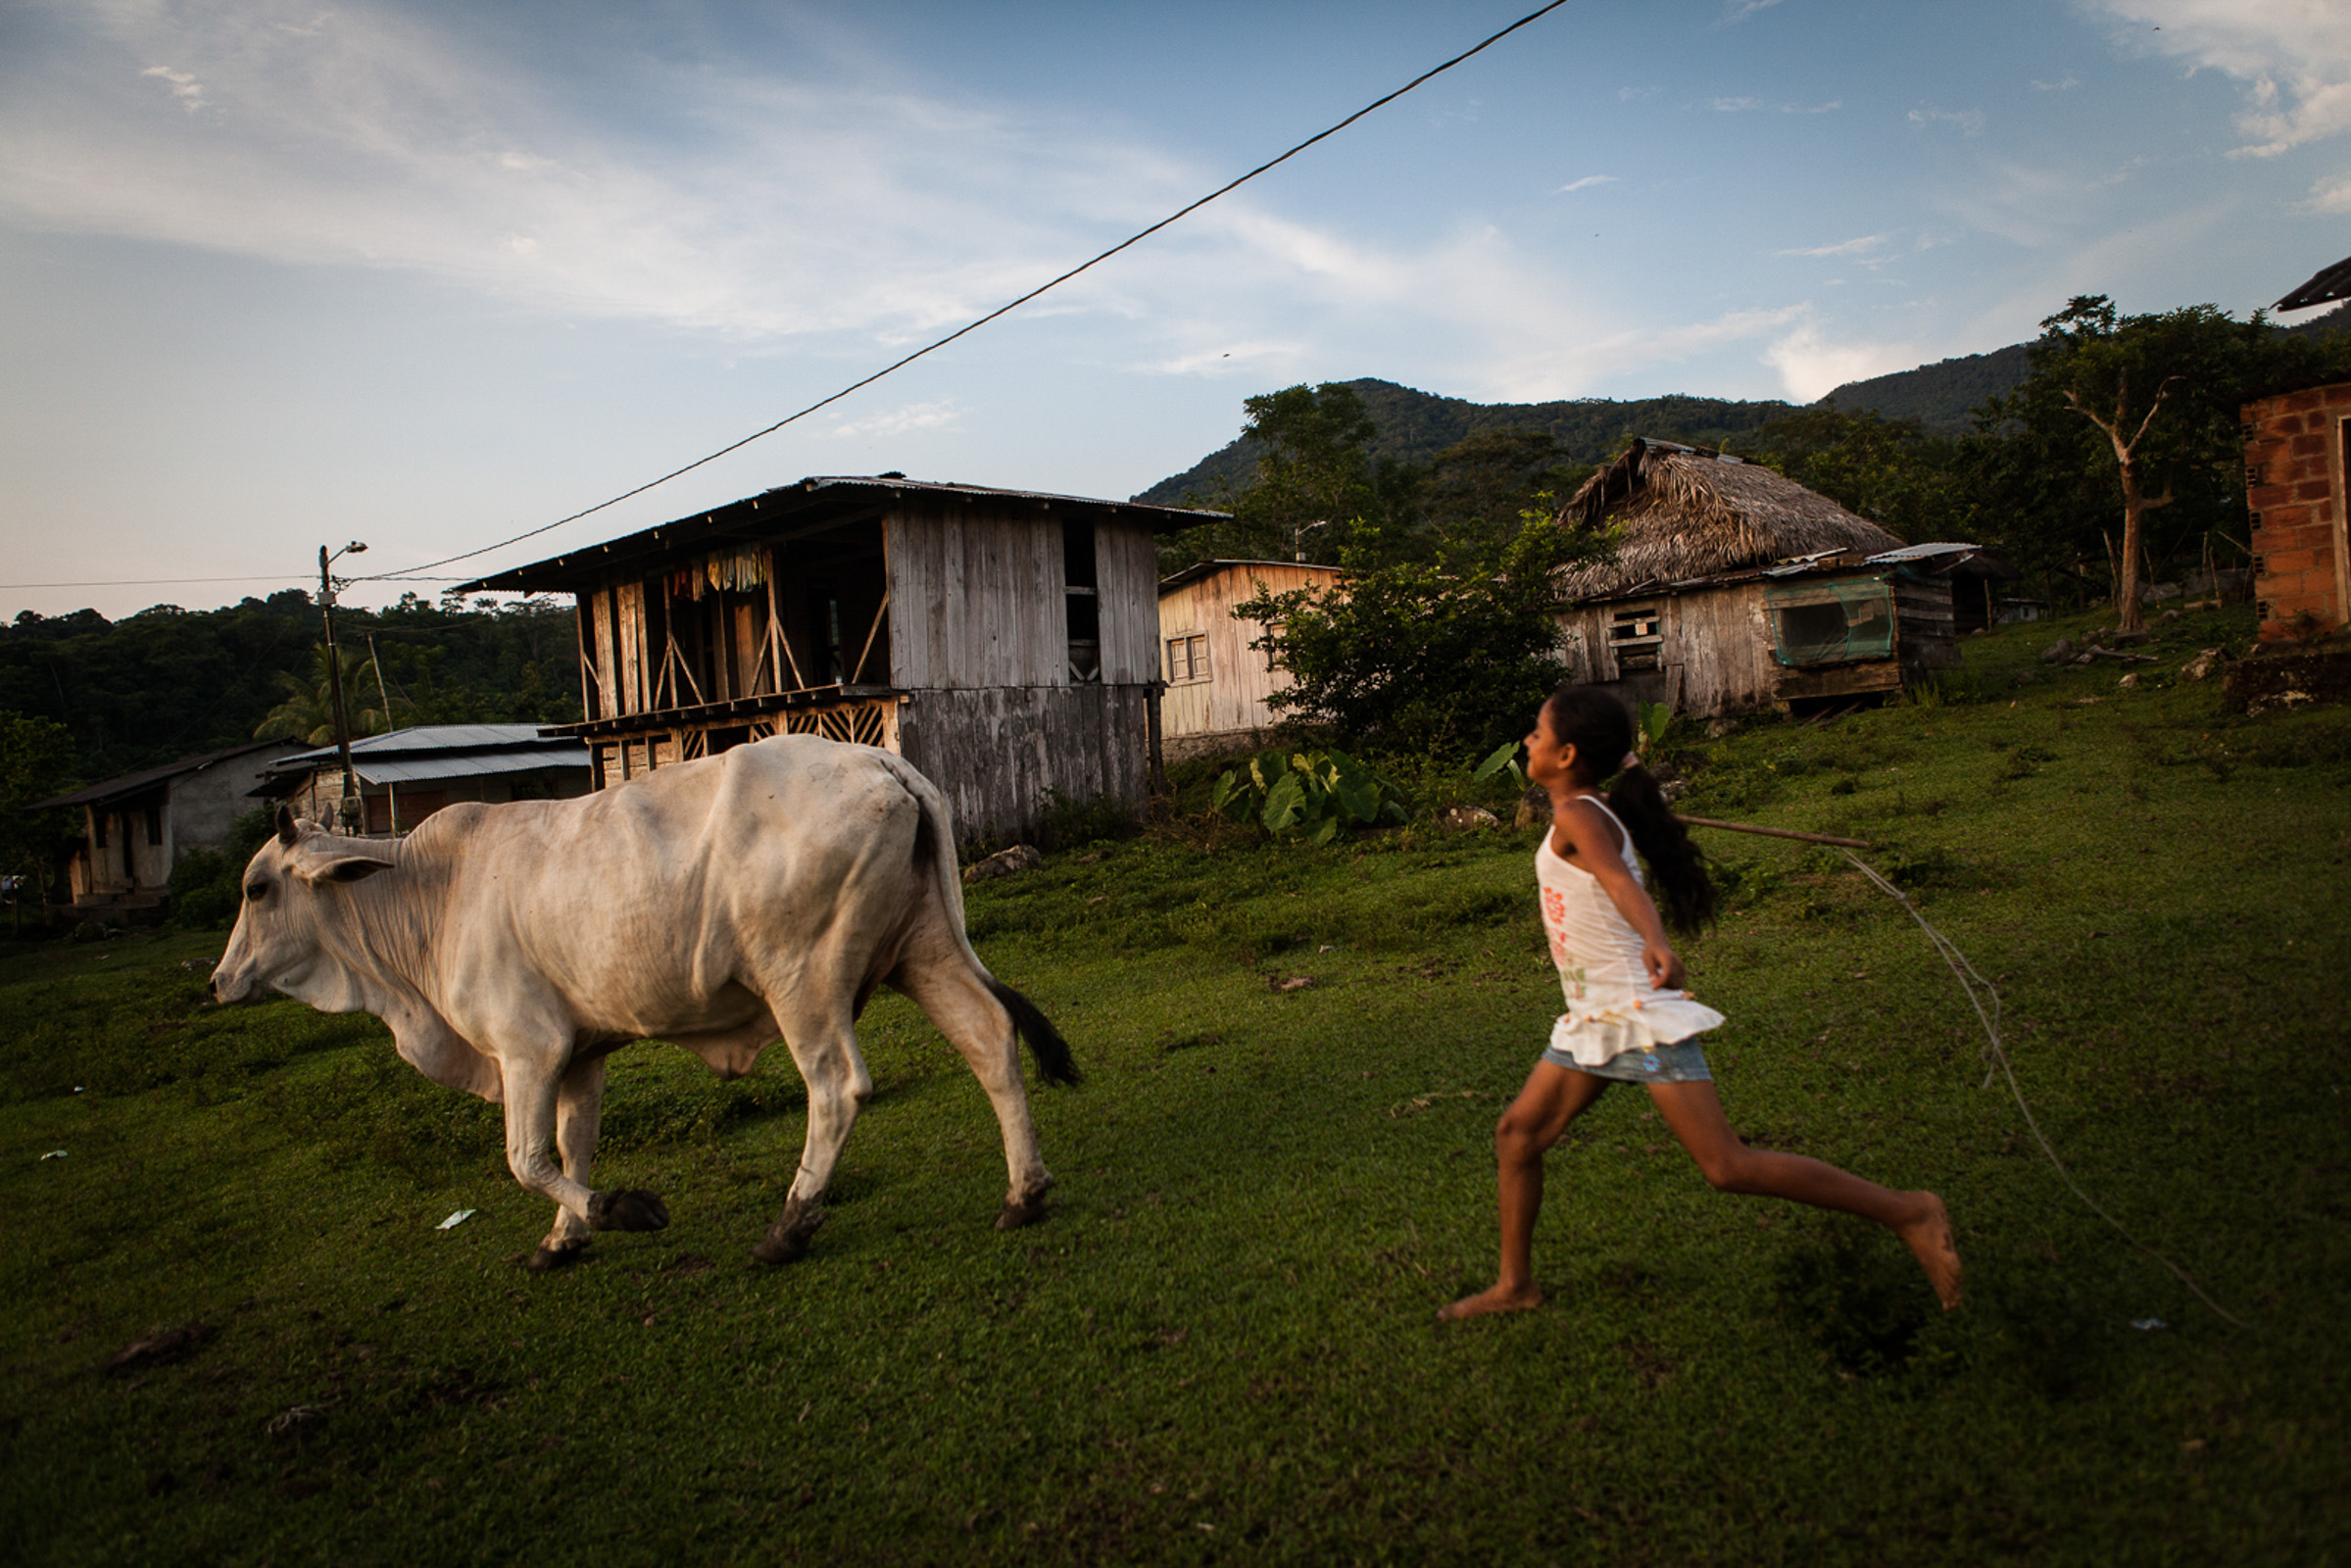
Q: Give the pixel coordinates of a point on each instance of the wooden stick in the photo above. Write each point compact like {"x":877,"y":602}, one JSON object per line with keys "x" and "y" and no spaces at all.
{"x":1774,"y":832}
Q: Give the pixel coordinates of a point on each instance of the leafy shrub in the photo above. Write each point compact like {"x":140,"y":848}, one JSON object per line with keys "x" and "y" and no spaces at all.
{"x":1315,"y":796}
{"x":206,"y":885}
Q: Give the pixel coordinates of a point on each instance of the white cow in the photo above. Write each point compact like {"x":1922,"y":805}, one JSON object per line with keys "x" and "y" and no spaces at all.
{"x":721,"y":904}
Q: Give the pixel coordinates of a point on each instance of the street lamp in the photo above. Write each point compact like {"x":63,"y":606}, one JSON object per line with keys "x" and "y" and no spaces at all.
{"x":347,"y":810}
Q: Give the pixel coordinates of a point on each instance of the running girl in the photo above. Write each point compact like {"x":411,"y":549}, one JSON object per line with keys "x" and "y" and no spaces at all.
{"x":1627,"y":1019}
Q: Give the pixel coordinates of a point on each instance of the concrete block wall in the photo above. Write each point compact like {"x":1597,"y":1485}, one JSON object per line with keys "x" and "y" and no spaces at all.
{"x":2295,"y":491}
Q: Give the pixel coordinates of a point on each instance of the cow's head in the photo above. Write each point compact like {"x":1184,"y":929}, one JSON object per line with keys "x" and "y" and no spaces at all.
{"x":294,"y":892}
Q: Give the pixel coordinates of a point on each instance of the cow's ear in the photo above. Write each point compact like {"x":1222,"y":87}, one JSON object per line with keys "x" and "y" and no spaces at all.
{"x":327,"y":859}
{"x":287,"y":832}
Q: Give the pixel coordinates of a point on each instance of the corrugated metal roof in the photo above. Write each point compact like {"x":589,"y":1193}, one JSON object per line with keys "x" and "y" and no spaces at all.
{"x":114,"y":789}
{"x":469,"y":764}
{"x":753,"y":517}
{"x":428,"y":738}
{"x":1208,"y":568}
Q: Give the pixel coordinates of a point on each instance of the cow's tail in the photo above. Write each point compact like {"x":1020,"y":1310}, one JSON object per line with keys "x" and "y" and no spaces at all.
{"x":1044,"y":1041}
{"x":935,"y":851}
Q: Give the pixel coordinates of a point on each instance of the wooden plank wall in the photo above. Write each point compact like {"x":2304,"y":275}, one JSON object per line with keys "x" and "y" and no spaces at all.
{"x":1926,"y":632}
{"x":1232,"y":696}
{"x":1716,"y":654}
{"x":996,"y":754}
{"x":1722,"y":642}
{"x":981,"y":590}
{"x":1126,"y":572}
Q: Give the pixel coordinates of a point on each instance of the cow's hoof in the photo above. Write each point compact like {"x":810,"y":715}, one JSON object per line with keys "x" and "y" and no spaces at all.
{"x":548,"y":1259}
{"x":1025,"y":1210}
{"x":629,"y":1210}
{"x":787,"y":1239}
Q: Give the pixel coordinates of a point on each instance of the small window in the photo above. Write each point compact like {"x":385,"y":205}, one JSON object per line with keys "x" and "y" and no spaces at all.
{"x":155,"y":825}
{"x":1831,"y":623}
{"x":1187,"y":658}
{"x":1082,"y":602}
{"x":1637,"y":637}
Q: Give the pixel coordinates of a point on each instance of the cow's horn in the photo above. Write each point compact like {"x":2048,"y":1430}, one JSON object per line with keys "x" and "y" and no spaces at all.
{"x":287,"y":833}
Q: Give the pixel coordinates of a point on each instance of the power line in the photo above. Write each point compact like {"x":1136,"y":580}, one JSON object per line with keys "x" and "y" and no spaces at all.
{"x":1000,"y":311}
{"x":256,"y":577}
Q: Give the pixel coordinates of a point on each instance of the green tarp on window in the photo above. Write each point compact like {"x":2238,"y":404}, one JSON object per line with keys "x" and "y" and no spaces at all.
{"x":1831,"y":622}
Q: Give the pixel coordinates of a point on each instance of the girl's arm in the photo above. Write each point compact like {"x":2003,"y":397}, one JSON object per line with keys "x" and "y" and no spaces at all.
{"x":1581,"y":834}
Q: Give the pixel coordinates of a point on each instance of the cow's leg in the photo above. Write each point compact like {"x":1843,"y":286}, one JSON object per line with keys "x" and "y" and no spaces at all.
{"x":578,"y":1110}
{"x":824,"y":1047}
{"x":945,"y":985}
{"x":533,"y":1087}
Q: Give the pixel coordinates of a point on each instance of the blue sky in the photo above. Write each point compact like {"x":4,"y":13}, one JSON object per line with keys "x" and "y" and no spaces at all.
{"x":273,"y":275}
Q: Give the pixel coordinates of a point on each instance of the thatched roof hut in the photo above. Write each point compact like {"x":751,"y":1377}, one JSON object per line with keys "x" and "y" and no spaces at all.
{"x":1690,"y":513}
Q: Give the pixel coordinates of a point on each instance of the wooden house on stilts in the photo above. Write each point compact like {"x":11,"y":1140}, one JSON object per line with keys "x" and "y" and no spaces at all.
{"x":1007,"y":643}
{"x":1735,"y":588}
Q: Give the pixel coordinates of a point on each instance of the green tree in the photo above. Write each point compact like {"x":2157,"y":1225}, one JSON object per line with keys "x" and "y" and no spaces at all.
{"x":37,"y":761}
{"x":1426,"y":658}
{"x":2144,"y":404}
{"x":308,"y":712}
{"x":1314,"y":486}
{"x":1480,"y":489}
{"x":1890,"y":472}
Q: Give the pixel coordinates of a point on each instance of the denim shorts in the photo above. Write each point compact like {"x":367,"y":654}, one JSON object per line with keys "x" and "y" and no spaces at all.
{"x":1682,"y":1062}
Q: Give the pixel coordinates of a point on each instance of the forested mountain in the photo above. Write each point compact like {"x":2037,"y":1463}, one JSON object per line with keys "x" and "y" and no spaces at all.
{"x":1942,"y":397}
{"x":1414,"y":426}
{"x":168,"y":683}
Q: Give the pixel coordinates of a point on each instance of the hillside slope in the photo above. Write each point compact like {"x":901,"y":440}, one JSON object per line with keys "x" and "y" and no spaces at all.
{"x":1414,"y":426}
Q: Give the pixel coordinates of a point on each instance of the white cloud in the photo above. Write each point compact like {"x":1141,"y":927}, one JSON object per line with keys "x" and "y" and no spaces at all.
{"x":1850,"y":246}
{"x":1811,"y":366}
{"x":366,"y":137}
{"x":1733,"y":105}
{"x":1812,"y":109}
{"x":2332,"y":195}
{"x":1628,"y":94}
{"x":1585,"y":181}
{"x":183,"y":85}
{"x":1969,"y":120}
{"x":900,"y":421}
{"x":2293,"y":55}
{"x":2064,"y":84}
{"x":1738,"y":11}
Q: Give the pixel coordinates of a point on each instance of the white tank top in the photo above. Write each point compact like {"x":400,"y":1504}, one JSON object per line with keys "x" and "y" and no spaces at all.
{"x":1591,"y":943}
{"x":1611,"y":1007}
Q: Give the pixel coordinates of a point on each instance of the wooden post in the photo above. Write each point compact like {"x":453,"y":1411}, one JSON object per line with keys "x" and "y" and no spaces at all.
{"x":1774,"y":832}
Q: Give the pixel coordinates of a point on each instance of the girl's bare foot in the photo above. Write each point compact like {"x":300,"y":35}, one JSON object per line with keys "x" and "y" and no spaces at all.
{"x":1929,"y":1237}
{"x":1495,"y":1298}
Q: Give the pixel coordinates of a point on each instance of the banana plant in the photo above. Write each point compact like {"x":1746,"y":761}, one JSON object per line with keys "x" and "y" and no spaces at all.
{"x":1316,"y":794}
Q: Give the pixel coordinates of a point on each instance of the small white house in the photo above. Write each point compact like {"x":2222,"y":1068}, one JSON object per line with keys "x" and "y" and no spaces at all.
{"x":136,"y":828}
{"x":1216,"y":683}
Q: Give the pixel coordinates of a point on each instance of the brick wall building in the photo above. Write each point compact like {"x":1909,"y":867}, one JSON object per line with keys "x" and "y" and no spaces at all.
{"x":2295,"y":457}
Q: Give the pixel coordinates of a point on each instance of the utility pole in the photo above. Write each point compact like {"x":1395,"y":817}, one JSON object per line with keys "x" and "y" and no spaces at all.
{"x":347,"y":810}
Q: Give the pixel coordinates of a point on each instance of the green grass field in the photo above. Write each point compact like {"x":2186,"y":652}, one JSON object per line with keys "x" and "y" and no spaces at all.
{"x":1220,"y":1344}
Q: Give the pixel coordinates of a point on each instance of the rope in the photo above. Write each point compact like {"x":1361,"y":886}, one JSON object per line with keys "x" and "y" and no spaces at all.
{"x":1986,"y":1000}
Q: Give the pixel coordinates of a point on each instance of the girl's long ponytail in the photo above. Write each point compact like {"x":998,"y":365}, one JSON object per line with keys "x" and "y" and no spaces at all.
{"x":1601,"y":730}
{"x":1676,"y":866}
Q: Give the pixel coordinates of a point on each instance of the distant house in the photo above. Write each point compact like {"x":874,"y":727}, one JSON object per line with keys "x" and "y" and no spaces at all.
{"x":1735,"y":588}
{"x":405,"y":775}
{"x":1006,"y":642}
{"x":137,"y":827}
{"x":1217,"y":684}
{"x":2297,"y":449}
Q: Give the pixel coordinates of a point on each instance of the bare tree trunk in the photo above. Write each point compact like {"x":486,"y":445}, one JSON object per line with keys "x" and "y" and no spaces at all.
{"x":2135,"y":502}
